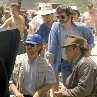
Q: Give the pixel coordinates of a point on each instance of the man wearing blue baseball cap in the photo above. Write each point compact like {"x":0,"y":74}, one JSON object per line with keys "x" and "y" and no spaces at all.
{"x":33,"y":77}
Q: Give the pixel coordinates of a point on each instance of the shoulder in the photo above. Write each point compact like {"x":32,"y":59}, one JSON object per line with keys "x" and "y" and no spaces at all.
{"x":41,"y":60}
{"x":56,"y":24}
{"x":85,"y":13}
{"x":87,"y":62}
{"x":55,"y":27}
{"x":23,"y":19}
{"x":20,"y":58}
{"x":80,"y":25}
{"x":42,"y":25}
{"x":9,"y":19}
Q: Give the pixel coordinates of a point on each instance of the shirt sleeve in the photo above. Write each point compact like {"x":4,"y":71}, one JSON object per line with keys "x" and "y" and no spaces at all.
{"x":89,"y":37}
{"x":52,"y":42}
{"x":50,"y":75}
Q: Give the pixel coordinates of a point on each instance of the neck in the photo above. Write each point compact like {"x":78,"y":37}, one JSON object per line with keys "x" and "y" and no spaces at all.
{"x":16,"y":16}
{"x":32,"y":57}
{"x":67,"y":25}
{"x":76,"y":56}
{"x":49,"y":24}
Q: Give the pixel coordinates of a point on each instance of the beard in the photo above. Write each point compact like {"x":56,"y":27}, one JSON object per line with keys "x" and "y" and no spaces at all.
{"x":63,"y":21}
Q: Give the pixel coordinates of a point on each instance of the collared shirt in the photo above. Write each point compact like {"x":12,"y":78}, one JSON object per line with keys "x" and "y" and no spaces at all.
{"x":29,"y":77}
{"x":54,"y":42}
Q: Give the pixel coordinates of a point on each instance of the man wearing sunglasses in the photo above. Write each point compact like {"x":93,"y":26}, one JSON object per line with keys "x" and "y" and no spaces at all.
{"x":33,"y":77}
{"x":58,"y":36}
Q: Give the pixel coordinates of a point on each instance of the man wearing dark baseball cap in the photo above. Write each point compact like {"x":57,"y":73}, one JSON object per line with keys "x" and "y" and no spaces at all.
{"x":36,"y":77}
{"x":83,"y":80}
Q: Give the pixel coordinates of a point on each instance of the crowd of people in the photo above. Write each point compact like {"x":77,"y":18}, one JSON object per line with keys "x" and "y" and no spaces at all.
{"x":53,"y":42}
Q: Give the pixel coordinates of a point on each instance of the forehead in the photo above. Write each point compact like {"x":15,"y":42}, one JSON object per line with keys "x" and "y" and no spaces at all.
{"x":14,"y":7}
{"x":62,"y":13}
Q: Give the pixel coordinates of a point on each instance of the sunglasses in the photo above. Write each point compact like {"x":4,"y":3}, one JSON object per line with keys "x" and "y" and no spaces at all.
{"x":61,"y":16}
{"x":32,"y":45}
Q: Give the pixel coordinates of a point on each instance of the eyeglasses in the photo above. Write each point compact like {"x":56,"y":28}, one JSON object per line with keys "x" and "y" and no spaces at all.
{"x":61,"y":16}
{"x":69,"y":49}
{"x":32,"y":45}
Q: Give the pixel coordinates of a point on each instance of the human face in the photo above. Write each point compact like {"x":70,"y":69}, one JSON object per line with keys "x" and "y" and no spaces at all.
{"x":90,"y":9}
{"x":14,"y":10}
{"x":32,"y":49}
{"x":47,"y":18}
{"x":63,"y":18}
{"x":75,"y":16}
{"x":71,"y":52}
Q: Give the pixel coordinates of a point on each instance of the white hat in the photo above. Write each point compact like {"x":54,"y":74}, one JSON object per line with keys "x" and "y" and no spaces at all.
{"x":44,"y":12}
{"x":46,"y":9}
{"x":74,"y":7}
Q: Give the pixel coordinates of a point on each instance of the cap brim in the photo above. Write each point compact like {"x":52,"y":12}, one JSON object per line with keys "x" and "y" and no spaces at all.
{"x":73,"y":44}
{"x":65,"y":46}
{"x":44,"y":12}
{"x":30,"y":42}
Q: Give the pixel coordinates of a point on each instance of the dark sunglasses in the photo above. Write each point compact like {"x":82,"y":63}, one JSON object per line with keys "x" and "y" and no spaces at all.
{"x":61,"y":16}
{"x":32,"y":45}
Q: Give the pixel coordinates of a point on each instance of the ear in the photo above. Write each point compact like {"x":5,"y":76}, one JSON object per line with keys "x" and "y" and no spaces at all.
{"x":70,"y":16}
{"x":39,"y":48}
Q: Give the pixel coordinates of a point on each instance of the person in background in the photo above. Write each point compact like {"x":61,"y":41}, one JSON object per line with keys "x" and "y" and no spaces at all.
{"x":38,"y":19}
{"x":2,"y":9}
{"x":58,"y":36}
{"x":44,"y":29}
{"x":1,"y":13}
{"x":89,"y":18}
{"x":16,"y":21}
{"x":76,"y":14}
{"x":32,"y":76}
{"x":6,"y":15}
{"x":83,"y":80}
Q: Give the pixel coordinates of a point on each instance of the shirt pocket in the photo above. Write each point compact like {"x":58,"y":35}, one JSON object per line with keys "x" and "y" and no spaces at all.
{"x":41,"y":77}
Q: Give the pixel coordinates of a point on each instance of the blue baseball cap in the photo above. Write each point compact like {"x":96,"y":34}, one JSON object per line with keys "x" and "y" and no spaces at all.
{"x":34,"y":39}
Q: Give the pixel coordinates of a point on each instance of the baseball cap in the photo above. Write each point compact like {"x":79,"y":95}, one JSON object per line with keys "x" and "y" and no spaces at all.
{"x":34,"y":39}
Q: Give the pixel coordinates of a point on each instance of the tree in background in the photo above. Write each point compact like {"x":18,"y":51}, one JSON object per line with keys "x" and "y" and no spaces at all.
{"x":81,"y":4}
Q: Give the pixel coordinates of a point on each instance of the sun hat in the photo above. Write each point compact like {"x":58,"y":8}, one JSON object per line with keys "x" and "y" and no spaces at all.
{"x":76,"y":40}
{"x":46,"y":9}
{"x":34,"y":39}
{"x":75,"y":9}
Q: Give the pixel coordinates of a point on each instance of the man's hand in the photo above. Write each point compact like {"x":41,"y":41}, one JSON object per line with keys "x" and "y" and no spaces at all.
{"x":36,"y":94}
{"x":60,"y":91}
{"x":19,"y":95}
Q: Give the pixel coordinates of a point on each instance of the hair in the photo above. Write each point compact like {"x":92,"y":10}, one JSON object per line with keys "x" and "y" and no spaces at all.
{"x":62,"y":8}
{"x":90,"y":5}
{"x":15,"y":5}
{"x":33,"y":15}
{"x":2,"y":9}
{"x":77,"y":12}
{"x":40,"y":49}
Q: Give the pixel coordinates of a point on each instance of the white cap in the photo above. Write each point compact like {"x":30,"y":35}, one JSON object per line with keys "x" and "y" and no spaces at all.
{"x":74,"y":7}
